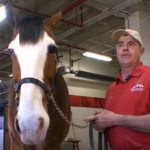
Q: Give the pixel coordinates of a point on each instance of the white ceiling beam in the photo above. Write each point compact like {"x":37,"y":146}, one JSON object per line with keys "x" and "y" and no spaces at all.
{"x":99,"y":44}
{"x":101,"y":34}
{"x":108,"y":50}
{"x":95,"y":4}
{"x":103,"y":8}
{"x":107,"y":45}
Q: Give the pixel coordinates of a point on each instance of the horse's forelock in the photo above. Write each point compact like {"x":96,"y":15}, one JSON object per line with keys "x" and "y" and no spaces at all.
{"x":31,"y":29}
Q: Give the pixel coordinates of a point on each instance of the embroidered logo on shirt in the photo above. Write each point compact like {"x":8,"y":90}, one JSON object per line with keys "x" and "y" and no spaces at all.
{"x":138,"y":87}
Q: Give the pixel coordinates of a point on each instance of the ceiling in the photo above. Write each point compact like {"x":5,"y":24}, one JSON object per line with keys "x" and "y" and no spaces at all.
{"x":86,"y":25}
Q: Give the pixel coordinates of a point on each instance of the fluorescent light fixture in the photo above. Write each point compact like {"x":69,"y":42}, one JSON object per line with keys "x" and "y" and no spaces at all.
{"x":97,"y":56}
{"x":2,"y":13}
{"x":0,"y":81}
{"x":11,"y":75}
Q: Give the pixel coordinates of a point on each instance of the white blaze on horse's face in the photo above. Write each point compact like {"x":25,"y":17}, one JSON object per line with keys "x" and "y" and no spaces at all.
{"x":32,"y":117}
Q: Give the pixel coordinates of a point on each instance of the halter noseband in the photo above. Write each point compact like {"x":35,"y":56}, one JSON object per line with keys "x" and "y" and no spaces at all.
{"x":35,"y":81}
{"x":31,"y":80}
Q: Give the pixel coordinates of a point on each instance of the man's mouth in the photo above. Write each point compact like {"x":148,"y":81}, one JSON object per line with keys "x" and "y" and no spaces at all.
{"x":125,"y":55}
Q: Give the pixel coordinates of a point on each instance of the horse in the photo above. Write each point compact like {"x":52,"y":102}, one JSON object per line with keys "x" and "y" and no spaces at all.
{"x":33,"y":121}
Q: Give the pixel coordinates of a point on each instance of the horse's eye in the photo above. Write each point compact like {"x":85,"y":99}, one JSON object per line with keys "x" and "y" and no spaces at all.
{"x":11,"y":51}
{"x":52,"y":49}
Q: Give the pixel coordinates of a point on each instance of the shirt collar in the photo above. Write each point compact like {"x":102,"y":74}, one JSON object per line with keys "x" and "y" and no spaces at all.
{"x":135,"y":73}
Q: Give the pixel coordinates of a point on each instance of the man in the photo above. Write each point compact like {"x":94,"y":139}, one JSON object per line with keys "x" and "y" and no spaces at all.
{"x":126,"y":113}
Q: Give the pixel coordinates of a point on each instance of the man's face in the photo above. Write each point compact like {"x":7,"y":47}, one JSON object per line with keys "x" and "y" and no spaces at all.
{"x":128,"y":51}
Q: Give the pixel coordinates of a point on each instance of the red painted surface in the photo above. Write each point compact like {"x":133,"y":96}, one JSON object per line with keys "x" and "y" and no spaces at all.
{"x":72,"y":6}
{"x":82,"y":101}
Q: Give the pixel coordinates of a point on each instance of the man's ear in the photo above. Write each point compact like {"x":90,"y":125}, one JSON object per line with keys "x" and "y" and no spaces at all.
{"x":142,"y":50}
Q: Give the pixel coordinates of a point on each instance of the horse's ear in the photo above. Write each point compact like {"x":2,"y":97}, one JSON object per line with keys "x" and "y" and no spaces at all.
{"x":10,"y":15}
{"x":53,"y":20}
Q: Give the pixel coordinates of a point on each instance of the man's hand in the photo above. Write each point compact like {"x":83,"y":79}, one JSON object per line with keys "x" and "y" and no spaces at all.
{"x":106,"y":118}
{"x":103,"y":119}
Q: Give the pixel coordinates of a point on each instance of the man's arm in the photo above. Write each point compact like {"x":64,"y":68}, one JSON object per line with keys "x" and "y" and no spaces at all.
{"x":107,"y":118}
{"x":138,"y":123}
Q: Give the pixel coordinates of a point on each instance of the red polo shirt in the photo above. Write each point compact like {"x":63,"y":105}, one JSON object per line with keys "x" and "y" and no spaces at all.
{"x":129,"y":98}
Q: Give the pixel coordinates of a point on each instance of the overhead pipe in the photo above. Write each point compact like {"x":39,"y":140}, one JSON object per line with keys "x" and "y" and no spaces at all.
{"x":64,"y":11}
{"x":82,"y":49}
{"x":73,"y":5}
{"x":44,"y":15}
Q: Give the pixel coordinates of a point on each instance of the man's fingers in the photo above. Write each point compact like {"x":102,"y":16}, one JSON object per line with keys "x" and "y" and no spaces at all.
{"x":93,"y":117}
{"x":99,"y":110}
{"x":99,"y":129}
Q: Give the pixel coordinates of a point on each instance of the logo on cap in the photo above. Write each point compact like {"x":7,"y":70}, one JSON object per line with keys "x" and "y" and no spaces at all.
{"x":129,"y":31}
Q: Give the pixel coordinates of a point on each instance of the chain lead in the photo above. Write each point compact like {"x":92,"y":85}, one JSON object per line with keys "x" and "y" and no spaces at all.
{"x":63,"y":116}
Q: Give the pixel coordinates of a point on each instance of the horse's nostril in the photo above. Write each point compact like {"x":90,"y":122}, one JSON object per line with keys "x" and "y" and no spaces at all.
{"x":41,"y":124}
{"x":16,"y":123}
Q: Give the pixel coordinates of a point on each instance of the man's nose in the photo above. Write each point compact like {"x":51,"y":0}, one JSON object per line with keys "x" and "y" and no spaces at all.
{"x":125,"y":48}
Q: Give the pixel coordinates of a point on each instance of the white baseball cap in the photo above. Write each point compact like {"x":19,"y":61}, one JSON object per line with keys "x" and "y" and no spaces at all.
{"x":117,"y":34}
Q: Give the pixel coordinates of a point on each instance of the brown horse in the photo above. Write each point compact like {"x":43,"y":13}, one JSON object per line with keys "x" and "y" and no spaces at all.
{"x":38,"y":125}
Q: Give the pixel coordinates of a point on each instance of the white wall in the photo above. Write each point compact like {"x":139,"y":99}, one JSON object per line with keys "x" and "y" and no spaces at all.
{"x":89,"y":88}
{"x":89,"y":64}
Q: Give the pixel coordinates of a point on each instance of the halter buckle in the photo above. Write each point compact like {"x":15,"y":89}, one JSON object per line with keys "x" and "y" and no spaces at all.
{"x":17,"y":99}
{"x":50,"y":93}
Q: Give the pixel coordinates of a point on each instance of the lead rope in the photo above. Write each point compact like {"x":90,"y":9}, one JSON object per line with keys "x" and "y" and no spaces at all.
{"x":63,"y":116}
{"x":91,"y":136}
{"x":90,"y":124}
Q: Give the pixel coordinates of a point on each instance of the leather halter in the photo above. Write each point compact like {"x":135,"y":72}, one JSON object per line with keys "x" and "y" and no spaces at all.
{"x":37,"y":82}
{"x":31,"y":80}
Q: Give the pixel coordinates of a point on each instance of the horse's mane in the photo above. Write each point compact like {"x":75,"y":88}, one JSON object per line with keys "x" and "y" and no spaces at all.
{"x":61,"y":96}
{"x":60,"y":89}
{"x":31,"y":29}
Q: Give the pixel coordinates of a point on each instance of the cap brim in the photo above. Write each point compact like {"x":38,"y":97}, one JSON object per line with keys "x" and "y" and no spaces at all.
{"x":117,"y":34}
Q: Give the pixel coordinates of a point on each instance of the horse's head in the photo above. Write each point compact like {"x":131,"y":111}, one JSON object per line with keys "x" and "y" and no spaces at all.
{"x":33,"y":56}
